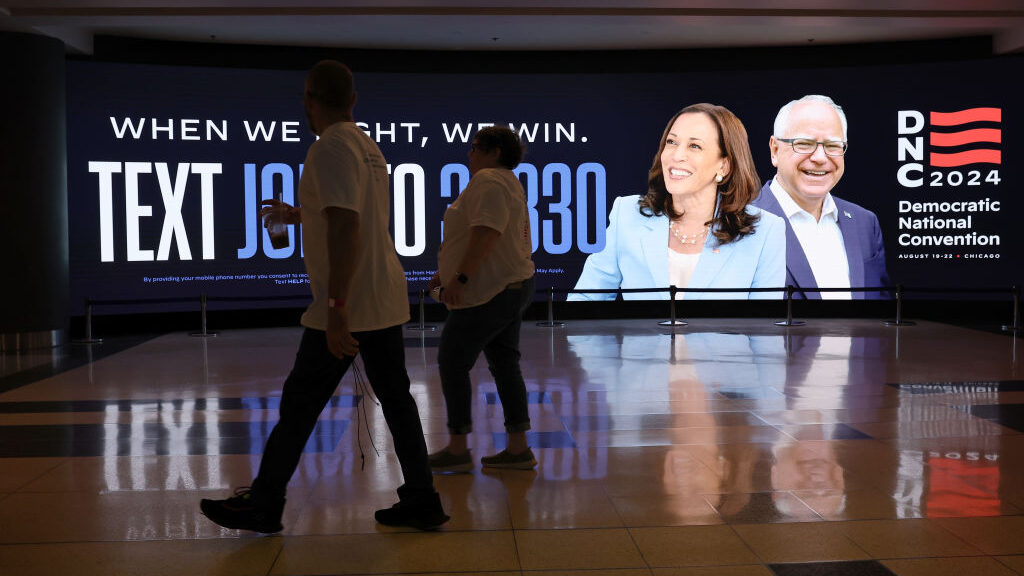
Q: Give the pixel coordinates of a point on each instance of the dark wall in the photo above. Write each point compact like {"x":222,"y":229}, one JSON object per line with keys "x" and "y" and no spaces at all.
{"x":139,"y":51}
{"x":33,"y":186}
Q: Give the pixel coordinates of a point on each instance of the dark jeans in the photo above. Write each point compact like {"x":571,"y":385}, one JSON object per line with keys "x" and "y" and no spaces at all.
{"x":311,"y":384}
{"x":491,"y":328}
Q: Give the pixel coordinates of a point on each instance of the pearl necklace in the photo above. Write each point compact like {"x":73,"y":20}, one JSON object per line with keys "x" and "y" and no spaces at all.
{"x":687,"y":238}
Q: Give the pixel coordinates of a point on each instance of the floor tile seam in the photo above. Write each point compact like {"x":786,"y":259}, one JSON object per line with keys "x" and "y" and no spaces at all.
{"x":610,"y":498}
{"x":981,"y":552}
{"x":764,"y":561}
{"x":277,"y":558}
{"x":809,"y":507}
{"x":129,"y":541}
{"x":67,"y":363}
{"x":435,"y":573}
{"x":750,"y":548}
{"x":515,"y":542}
{"x":998,"y":557}
{"x":402,"y":531}
{"x":929,"y":522}
{"x":632,"y":538}
{"x":36,"y":478}
{"x":944,"y":557}
{"x":755,"y":414}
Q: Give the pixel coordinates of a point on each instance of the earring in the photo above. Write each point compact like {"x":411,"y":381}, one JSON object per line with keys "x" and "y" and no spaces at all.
{"x":719,"y":178}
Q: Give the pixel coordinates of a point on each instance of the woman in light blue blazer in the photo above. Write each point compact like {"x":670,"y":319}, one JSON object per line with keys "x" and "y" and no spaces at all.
{"x":695,"y":227}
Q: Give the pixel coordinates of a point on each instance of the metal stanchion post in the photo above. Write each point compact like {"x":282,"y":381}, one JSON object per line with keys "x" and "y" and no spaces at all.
{"x":202,"y":312}
{"x":789,"y":310}
{"x":672,"y":321}
{"x":551,"y":311}
{"x":421,"y":326}
{"x":1014,"y":325}
{"x":899,"y":321}
{"x":88,"y":327}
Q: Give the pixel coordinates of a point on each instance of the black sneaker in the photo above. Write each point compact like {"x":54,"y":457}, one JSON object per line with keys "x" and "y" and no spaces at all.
{"x":245,"y":511}
{"x":445,"y":461}
{"x":423,"y":513}
{"x":505,"y":459}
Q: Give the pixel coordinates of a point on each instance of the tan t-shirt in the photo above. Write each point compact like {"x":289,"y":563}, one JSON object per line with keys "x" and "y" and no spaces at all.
{"x":493,"y":198}
{"x":345,"y":169}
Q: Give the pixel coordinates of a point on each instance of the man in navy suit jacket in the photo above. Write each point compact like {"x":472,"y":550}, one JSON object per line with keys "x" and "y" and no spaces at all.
{"x":830,"y":243}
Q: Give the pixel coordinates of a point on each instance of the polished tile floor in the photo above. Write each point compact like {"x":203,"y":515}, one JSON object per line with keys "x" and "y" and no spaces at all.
{"x":734,"y":447}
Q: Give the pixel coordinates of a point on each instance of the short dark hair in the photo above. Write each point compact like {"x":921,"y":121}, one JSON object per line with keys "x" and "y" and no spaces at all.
{"x":330,"y":83}
{"x":506,"y":140}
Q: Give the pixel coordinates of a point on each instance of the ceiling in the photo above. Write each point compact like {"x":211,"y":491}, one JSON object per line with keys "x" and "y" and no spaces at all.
{"x":522,"y":24}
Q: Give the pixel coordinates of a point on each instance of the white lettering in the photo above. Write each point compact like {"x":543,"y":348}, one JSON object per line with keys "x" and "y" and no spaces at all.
{"x":904,"y":118}
{"x":106,"y":170}
{"x":157,"y":128}
{"x":173,"y":195}
{"x":915,"y":148}
{"x":419,"y":217}
{"x":190,"y":129}
{"x":289,"y":131}
{"x":903,"y":175}
{"x":206,"y":172}
{"x":134,"y":211}
{"x":260,"y":131}
{"x":126,"y":125}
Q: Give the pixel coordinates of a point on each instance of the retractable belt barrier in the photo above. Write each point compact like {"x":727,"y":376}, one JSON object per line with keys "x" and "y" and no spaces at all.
{"x":899,"y":291}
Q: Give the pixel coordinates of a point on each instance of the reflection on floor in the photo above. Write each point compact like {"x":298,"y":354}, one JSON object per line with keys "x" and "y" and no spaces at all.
{"x":735,"y":447}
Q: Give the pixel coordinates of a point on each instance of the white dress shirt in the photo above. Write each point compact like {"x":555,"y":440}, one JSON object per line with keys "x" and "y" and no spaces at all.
{"x":680,"y":270}
{"x":821,"y":241}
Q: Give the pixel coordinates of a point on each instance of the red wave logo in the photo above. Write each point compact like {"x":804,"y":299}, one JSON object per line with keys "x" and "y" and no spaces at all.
{"x":965,"y":158}
{"x":980,"y":136}
{"x":966,"y":116}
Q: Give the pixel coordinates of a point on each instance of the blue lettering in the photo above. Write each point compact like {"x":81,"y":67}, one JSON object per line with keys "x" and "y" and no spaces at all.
{"x":287,"y":196}
{"x":249,"y":214}
{"x":560,"y":208}
{"x":583,"y":211}
{"x":530,"y":185}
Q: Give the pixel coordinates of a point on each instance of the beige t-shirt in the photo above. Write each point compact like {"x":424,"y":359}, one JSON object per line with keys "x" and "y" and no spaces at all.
{"x":345,"y":169}
{"x":493,"y":198}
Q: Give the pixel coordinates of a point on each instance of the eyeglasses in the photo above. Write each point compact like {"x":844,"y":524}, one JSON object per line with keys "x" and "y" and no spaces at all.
{"x":808,"y":146}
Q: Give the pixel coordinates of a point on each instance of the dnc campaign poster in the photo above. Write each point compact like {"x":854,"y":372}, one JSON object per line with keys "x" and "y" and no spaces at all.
{"x":167,"y":165}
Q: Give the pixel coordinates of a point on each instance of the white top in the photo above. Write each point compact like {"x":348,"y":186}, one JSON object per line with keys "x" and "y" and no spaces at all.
{"x":345,"y":169}
{"x":821,"y":241}
{"x":493,"y":198}
{"x":680,"y":270}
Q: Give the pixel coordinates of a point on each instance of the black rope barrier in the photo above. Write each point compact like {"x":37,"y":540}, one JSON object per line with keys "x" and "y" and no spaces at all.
{"x":898,"y":291}
{"x":91,"y":303}
{"x":786,"y":292}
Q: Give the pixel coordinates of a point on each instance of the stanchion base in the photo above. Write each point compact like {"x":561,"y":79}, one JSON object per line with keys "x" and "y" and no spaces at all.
{"x":899,"y":323}
{"x":203,"y":335}
{"x":1008,"y":328}
{"x":90,"y":341}
{"x":424,"y":328}
{"x":551,"y":324}
{"x":790,"y":323}
{"x":673,"y":323}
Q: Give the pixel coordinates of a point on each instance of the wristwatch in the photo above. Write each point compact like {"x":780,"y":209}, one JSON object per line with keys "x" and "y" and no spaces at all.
{"x":462,"y":278}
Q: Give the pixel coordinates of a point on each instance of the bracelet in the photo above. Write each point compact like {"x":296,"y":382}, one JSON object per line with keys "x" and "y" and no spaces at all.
{"x":335,"y":303}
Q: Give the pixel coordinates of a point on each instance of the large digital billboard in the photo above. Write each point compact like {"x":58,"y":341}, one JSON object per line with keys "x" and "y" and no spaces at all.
{"x":166,"y":165}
